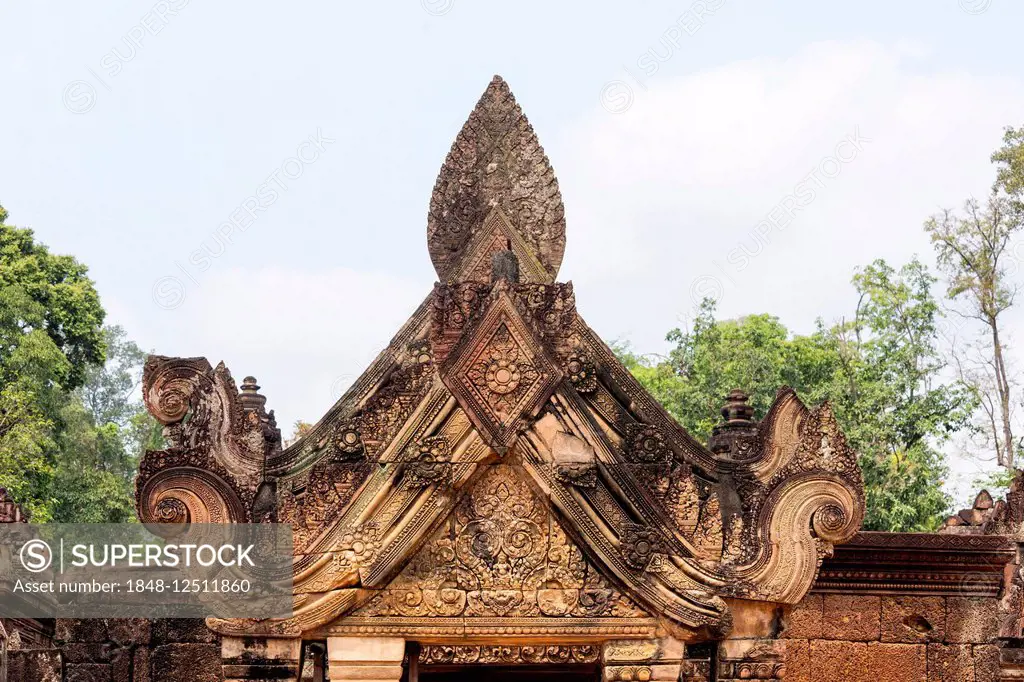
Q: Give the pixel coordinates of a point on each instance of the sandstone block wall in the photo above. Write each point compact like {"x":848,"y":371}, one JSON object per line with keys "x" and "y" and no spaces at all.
{"x":122,"y":650}
{"x":861,"y":638}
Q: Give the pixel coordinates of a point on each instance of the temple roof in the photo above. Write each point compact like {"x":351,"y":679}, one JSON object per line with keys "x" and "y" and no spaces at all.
{"x":497,"y":400}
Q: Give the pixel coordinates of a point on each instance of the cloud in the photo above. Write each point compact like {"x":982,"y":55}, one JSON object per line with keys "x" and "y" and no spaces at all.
{"x":659,"y":196}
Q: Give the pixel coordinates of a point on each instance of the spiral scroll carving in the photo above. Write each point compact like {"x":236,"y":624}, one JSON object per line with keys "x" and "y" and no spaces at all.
{"x":189,"y":495}
{"x":173,"y":386}
{"x":831,"y":523}
{"x":171,"y":510}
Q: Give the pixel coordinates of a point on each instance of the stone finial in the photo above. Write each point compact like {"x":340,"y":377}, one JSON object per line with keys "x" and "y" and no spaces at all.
{"x":250,"y":397}
{"x":736,"y":408}
{"x":733,"y":436}
{"x":497,"y":163}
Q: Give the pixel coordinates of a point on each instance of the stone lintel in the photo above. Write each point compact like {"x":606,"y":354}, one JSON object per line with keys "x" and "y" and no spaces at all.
{"x":255,"y":658}
{"x":370,"y":659}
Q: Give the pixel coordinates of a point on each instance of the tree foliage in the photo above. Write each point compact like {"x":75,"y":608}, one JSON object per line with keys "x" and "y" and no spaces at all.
{"x":880,"y":369}
{"x":71,"y":428}
{"x":973,"y":250}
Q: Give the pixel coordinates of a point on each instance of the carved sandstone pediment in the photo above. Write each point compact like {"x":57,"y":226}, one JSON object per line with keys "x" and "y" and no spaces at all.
{"x":496,"y":471}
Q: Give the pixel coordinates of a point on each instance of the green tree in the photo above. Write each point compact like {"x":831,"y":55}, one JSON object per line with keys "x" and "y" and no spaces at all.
{"x":105,"y":430}
{"x":49,"y":333}
{"x":71,"y":427}
{"x":1009,"y":161}
{"x":67,"y":308}
{"x":880,"y":369}
{"x":891,"y":401}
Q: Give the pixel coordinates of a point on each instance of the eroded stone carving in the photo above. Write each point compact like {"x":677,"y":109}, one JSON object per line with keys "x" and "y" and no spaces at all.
{"x":217,"y":440}
{"x":496,"y":161}
{"x":433,"y":655}
{"x":500,"y":555}
{"x":497,"y":472}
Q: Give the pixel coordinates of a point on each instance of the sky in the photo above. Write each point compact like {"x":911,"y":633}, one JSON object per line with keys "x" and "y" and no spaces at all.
{"x":131,"y":135}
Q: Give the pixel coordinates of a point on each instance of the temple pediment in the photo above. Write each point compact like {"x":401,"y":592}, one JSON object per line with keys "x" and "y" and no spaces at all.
{"x":500,"y":564}
{"x":496,"y":470}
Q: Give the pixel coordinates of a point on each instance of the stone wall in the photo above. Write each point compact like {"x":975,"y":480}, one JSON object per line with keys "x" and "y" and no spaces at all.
{"x":869,"y":638}
{"x":122,"y":650}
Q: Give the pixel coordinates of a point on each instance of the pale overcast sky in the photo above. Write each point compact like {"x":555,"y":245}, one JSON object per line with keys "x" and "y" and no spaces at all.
{"x":132,"y":130}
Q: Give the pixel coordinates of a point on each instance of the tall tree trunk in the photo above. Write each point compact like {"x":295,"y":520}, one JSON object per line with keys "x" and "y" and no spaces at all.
{"x":1003,"y":388}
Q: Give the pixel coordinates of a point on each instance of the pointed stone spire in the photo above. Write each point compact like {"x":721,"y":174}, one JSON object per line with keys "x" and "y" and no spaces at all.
{"x":496,"y":164}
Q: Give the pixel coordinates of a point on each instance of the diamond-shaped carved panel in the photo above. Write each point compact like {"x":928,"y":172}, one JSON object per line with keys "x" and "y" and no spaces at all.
{"x":501,"y":375}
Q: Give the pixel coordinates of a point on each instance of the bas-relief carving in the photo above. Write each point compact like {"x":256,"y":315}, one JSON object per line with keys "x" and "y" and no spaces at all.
{"x":218,"y":440}
{"x":437,"y":491}
{"x":501,"y":554}
{"x":463,"y":655}
{"x":496,"y":161}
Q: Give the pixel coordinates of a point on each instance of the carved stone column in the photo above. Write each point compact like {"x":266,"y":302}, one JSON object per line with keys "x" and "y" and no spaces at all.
{"x":367,"y":659}
{"x":254,"y":658}
{"x":642,"y":660}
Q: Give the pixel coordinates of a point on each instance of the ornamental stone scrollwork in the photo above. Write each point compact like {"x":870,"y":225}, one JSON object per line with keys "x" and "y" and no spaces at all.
{"x":751,"y":660}
{"x":356,"y":548}
{"x":647,"y":445}
{"x":501,"y":374}
{"x":500,"y":555}
{"x":348,"y":443}
{"x":430,"y":464}
{"x":218,"y":441}
{"x":640,"y":545}
{"x":581,"y":372}
{"x":461,"y":655}
{"x":498,"y":473}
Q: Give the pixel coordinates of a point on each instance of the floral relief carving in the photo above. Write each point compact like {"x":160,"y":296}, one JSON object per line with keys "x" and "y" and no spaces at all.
{"x":348,"y":442}
{"x":357,"y":547}
{"x":640,"y":545}
{"x":503,"y":373}
{"x":430,"y":464}
{"x":500,"y":554}
{"x":434,"y":655}
{"x":647,"y":445}
{"x":679,"y":525}
{"x":582,"y":373}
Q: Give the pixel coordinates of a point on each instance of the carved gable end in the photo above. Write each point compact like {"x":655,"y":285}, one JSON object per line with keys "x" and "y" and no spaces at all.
{"x":497,"y":471}
{"x":500,"y":564}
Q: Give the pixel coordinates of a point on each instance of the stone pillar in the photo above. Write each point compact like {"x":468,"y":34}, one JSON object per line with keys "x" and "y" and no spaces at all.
{"x":367,"y":659}
{"x":256,"y":658}
{"x":651,"y":660}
